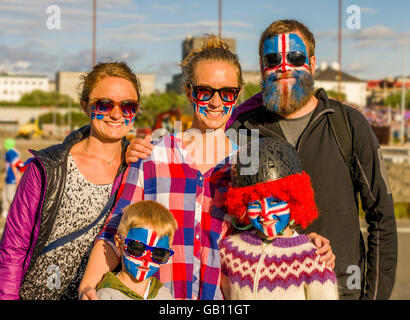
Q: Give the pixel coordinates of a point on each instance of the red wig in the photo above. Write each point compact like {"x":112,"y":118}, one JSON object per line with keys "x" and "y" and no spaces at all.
{"x":295,"y":189}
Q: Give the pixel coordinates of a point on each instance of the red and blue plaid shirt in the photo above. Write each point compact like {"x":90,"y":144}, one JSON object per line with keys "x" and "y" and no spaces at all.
{"x":196,"y":201}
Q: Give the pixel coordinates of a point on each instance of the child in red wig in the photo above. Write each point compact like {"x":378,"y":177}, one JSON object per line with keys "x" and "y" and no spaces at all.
{"x":268,"y":259}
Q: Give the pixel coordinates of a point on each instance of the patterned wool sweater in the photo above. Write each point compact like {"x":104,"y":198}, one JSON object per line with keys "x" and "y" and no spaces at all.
{"x":282,"y":269}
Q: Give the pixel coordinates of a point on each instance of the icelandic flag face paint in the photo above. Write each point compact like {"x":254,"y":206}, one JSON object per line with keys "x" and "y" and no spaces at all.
{"x":143,"y":267}
{"x":284,"y":44}
{"x":201,"y":106}
{"x":270,"y":216}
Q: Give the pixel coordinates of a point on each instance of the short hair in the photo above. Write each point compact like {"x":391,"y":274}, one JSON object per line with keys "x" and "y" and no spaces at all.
{"x":287,"y":26}
{"x":148,"y":213}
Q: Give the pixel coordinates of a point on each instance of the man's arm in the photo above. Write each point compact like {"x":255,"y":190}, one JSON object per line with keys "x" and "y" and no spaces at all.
{"x":377,"y":203}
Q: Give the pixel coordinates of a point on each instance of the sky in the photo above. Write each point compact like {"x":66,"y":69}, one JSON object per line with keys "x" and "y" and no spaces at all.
{"x":148,"y":35}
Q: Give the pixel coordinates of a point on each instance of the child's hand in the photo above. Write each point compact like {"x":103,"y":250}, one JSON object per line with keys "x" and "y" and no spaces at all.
{"x":88,"y":294}
{"x":139,"y":149}
{"x":324,"y":249}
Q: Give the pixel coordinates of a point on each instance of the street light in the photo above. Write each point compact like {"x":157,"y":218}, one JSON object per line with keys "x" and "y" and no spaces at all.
{"x":403,"y":93}
{"x":220,"y":19}
{"x":94,"y":31}
{"x":339,"y":93}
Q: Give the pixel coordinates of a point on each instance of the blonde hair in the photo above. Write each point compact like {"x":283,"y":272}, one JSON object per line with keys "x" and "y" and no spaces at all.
{"x":287,"y":26}
{"x":107,"y":69}
{"x":213,"y":48}
{"x":148,"y":213}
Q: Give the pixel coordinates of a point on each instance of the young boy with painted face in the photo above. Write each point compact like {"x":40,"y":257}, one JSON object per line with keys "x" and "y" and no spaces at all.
{"x":272,"y":261}
{"x":144,"y":236}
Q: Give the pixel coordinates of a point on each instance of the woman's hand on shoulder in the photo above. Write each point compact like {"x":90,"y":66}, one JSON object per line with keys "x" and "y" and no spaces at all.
{"x":88,"y":294}
{"x":139,"y":149}
{"x":324,"y":249}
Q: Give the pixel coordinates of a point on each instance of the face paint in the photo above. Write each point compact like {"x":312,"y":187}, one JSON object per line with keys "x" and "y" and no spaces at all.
{"x":287,"y":98}
{"x":143,"y":267}
{"x":284,"y":44}
{"x":99,"y":116}
{"x":228,"y":107}
{"x":96,"y":115}
{"x":200,"y":106}
{"x":270,"y":216}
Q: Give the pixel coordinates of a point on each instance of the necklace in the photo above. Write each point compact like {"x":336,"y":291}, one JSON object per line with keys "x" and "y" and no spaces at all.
{"x":98,"y":157}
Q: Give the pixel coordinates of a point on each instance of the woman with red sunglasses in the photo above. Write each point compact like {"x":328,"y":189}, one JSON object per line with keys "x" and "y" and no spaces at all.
{"x":67,"y":192}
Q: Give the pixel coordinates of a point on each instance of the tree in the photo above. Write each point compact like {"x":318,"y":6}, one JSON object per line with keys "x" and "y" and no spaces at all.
{"x":249,"y":90}
{"x":156,"y":103}
{"x":394,"y":100}
{"x":334,"y":95}
{"x":43,"y":98}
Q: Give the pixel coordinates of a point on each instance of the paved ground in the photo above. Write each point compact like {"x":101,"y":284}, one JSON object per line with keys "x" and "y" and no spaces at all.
{"x":401,"y":289}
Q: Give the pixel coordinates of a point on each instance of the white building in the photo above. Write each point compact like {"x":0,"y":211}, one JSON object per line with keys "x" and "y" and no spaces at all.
{"x":355,"y":89}
{"x":12,"y":87}
{"x":69,"y":83}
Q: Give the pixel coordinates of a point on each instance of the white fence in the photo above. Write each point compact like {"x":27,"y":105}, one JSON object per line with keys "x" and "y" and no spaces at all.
{"x":393,"y":154}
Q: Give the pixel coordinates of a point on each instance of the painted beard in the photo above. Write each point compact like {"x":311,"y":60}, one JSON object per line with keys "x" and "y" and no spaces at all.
{"x":287,"y":98}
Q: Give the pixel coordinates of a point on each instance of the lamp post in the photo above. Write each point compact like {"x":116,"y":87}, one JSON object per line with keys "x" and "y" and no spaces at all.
{"x":403,"y":93}
{"x":94,"y":31}
{"x":220,"y":19}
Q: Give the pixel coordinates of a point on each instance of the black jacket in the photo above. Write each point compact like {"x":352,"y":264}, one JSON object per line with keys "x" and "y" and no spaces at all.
{"x":337,"y":196}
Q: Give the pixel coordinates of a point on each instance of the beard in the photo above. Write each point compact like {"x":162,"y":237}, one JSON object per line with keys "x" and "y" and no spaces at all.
{"x":287,"y":98}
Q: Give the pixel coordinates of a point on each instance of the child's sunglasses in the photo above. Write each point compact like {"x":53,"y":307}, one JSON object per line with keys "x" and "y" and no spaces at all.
{"x":203,"y":93}
{"x":137,"y":248}
{"x":104,"y":106}
{"x":295,"y":58}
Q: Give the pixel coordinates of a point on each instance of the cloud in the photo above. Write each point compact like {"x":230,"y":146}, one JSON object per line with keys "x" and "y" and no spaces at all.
{"x":169,"y":31}
{"x":369,"y":10}
{"x":357,"y":67}
{"x":374,"y":36}
{"x":169,"y":8}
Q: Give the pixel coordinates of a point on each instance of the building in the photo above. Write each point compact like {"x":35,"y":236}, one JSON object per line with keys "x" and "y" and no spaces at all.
{"x":12,"y":87}
{"x":192,"y":43}
{"x":378,"y":90}
{"x":327,"y":77}
{"x":69,"y":83}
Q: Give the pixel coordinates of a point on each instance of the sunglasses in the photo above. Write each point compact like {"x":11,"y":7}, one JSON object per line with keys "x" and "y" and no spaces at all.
{"x":203,"y":93}
{"x":295,"y":58}
{"x":104,"y":106}
{"x":136,"y":249}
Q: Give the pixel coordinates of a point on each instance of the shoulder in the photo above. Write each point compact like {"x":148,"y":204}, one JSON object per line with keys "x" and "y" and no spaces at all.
{"x":11,"y":154}
{"x":163,"y":294}
{"x":55,"y":154}
{"x":111,"y":294}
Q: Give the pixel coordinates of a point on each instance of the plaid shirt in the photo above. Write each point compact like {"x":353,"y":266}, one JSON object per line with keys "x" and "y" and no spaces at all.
{"x":196,"y":201}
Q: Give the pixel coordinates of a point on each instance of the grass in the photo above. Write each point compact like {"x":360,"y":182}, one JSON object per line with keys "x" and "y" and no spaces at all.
{"x":401,"y":210}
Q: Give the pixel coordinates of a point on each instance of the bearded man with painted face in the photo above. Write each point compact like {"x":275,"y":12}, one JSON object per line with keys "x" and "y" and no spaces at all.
{"x":289,"y":107}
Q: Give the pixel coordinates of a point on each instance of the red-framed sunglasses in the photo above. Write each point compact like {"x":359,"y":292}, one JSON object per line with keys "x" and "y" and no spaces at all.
{"x":104,"y":106}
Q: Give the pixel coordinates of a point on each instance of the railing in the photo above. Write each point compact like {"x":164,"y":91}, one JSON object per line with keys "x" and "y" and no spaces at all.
{"x":393,"y":154}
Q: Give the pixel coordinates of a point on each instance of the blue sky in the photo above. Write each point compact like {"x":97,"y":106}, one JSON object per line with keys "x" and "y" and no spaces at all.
{"x":149,"y":34}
